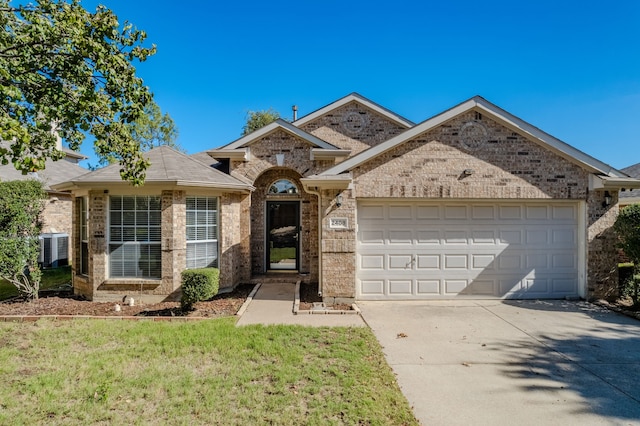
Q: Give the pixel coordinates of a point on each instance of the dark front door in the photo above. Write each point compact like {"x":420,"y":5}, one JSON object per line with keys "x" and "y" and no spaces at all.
{"x":283,"y":226}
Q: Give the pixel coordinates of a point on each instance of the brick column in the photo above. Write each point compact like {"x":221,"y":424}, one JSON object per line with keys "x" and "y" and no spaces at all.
{"x":174,"y":241}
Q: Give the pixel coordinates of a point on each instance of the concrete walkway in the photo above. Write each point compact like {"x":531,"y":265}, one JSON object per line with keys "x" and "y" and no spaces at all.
{"x":511,"y":362}
{"x":273,"y":304}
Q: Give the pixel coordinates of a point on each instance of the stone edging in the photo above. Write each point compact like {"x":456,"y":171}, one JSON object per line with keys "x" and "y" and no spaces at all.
{"x":296,"y":307}
{"x":622,"y":311}
{"x":248,"y":300}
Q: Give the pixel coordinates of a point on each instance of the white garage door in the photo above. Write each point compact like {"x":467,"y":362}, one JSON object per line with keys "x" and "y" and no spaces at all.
{"x":426,"y":250}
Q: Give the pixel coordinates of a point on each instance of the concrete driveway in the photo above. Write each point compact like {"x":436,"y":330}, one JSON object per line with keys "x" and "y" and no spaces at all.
{"x":512,"y":362}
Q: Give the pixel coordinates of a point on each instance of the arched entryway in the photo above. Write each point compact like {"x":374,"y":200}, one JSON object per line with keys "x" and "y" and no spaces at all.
{"x":283,"y":224}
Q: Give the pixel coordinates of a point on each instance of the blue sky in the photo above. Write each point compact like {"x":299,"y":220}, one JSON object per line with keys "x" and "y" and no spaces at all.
{"x":571,"y":68}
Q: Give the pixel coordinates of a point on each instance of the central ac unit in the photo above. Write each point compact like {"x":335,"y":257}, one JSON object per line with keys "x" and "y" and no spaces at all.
{"x":54,"y":250}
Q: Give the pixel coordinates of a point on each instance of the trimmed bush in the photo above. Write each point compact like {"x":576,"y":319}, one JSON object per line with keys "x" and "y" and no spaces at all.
{"x":198,"y":285}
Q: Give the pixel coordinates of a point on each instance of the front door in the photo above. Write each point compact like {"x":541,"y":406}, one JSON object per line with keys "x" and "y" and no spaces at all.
{"x":283,"y":226}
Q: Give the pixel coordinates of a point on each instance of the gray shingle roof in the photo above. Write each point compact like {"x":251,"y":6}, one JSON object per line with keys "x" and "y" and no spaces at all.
{"x":54,"y":172}
{"x":633,"y":171}
{"x":167,"y":166}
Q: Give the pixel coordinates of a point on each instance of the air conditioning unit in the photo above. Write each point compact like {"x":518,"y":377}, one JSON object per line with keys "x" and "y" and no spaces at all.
{"x":54,"y":250}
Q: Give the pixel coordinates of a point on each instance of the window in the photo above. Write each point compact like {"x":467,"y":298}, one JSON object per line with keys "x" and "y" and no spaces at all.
{"x":283,"y":186}
{"x":134,"y":237}
{"x":202,"y":232}
{"x":84,"y":235}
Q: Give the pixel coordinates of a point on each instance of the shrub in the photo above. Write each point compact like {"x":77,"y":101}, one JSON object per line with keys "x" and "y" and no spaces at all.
{"x":627,"y":227}
{"x":21,"y":203}
{"x":198,"y":284}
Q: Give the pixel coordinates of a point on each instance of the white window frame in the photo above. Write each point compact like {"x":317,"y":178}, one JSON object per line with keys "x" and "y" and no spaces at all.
{"x":135,"y":244}
{"x":203,"y":233}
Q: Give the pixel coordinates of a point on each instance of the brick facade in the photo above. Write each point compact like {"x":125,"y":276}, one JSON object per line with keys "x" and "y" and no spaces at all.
{"x":353,"y":127}
{"x":469,"y":157}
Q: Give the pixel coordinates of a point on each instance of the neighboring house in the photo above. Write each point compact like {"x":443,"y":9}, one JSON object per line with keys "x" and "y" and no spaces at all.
{"x":630,"y":196}
{"x":471,"y":203}
{"x":57,"y":214}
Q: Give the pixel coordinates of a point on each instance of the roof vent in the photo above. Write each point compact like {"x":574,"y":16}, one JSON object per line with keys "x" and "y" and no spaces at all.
{"x":295,"y":112}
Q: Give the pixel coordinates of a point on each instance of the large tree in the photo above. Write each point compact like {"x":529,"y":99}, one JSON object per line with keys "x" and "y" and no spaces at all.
{"x":21,"y":205}
{"x":258,"y":119}
{"x":150,"y":130}
{"x":67,"y":70}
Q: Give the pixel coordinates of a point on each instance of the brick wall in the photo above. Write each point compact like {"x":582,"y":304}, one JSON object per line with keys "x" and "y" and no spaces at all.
{"x":602,"y":254}
{"x":353,"y":127}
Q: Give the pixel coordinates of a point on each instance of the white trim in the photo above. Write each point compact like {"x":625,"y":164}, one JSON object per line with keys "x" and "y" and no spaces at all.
{"x":481,"y":105}
{"x":582,"y":249}
{"x":355,"y":97}
{"x":329,"y":154}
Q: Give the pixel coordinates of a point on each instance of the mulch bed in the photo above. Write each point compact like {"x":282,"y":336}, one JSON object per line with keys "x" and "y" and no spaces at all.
{"x":65,"y":303}
{"x":309,"y":295}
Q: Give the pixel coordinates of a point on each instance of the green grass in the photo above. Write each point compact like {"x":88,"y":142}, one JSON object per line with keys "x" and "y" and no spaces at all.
{"x":50,"y":278}
{"x":276,"y":254}
{"x":208,"y":372}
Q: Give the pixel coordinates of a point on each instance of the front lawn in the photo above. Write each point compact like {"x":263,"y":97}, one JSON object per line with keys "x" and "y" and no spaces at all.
{"x":204,"y":372}
{"x":50,"y":278}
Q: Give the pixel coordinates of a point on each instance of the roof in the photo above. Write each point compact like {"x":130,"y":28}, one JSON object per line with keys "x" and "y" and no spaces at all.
{"x":167,"y":166}
{"x":634,"y":172}
{"x":355,"y":97}
{"x":480,"y":104}
{"x":54,"y":172}
{"x":279,"y":124}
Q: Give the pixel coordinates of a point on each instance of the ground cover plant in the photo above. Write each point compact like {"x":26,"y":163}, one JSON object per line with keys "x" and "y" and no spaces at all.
{"x":205,"y":372}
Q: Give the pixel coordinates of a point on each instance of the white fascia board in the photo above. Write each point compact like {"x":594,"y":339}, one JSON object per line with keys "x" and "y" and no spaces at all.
{"x":328,"y":154}
{"x":319,"y":182}
{"x":239,"y":154}
{"x":357,"y":98}
{"x":607,"y":182}
{"x":278,"y":124}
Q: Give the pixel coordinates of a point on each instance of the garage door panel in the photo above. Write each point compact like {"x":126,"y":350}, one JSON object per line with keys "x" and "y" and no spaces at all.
{"x":455,"y":261}
{"x":400,"y":261}
{"x":446,"y":250}
{"x":400,"y":212}
{"x":372,"y":262}
{"x":428,"y":261}
{"x":372,"y":287}
{"x":456,"y":212}
{"x":371,"y":237}
{"x":427,"y":237}
{"x":400,"y":287}
{"x":400,"y":237}
{"x":428,"y":287}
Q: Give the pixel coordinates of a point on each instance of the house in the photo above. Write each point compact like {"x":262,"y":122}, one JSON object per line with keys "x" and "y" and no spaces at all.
{"x":471,"y":203}
{"x":57,"y":213}
{"x":628,"y":197}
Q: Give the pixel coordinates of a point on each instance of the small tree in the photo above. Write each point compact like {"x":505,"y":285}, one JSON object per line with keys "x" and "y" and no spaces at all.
{"x":627,"y":227}
{"x":258,"y":119}
{"x":21,"y":204}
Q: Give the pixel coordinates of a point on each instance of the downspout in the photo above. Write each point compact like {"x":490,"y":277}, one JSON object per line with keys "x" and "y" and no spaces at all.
{"x":319,"y":238}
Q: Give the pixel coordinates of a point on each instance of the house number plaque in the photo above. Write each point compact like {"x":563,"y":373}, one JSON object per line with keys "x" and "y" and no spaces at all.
{"x":338,"y":223}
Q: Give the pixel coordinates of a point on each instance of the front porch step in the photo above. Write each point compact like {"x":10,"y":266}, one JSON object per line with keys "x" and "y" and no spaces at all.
{"x":280,"y":277}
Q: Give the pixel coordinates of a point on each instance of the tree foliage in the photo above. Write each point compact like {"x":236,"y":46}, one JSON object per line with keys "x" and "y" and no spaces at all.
{"x":152,"y":129}
{"x":258,"y":119}
{"x":627,"y":226}
{"x":65,"y":69}
{"x":21,"y":204}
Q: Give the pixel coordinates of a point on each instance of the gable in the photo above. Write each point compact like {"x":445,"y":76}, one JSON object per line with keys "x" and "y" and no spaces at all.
{"x":483,"y":108}
{"x":470,"y":156}
{"x":353,"y":126}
